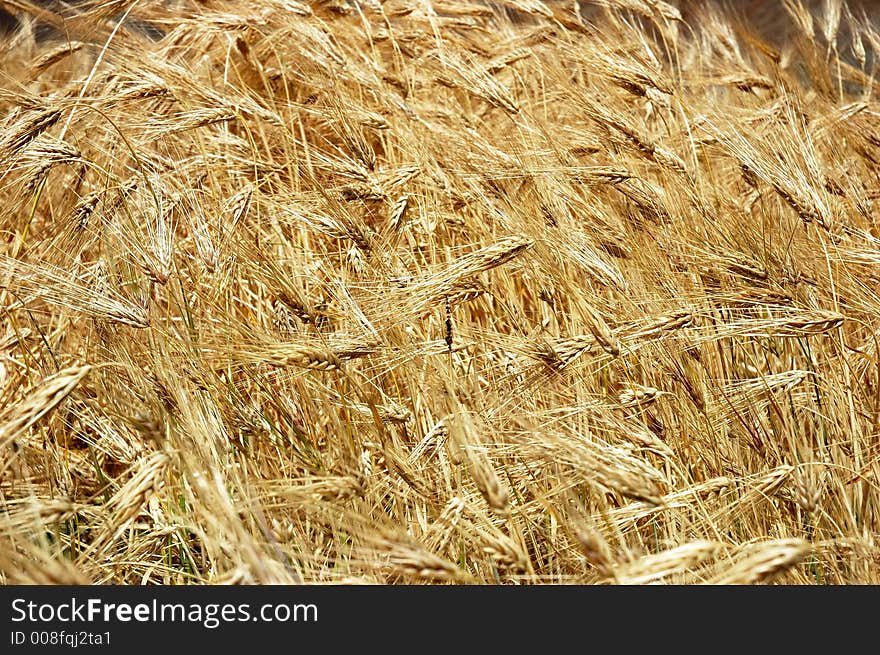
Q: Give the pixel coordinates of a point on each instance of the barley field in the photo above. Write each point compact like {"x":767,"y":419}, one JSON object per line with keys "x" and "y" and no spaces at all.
{"x":439,"y":292}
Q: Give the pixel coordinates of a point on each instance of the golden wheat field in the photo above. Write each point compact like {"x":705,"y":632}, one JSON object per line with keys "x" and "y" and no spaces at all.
{"x":439,"y":291}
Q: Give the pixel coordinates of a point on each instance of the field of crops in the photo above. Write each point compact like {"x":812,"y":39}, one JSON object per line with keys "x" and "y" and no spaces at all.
{"x":439,"y":291}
